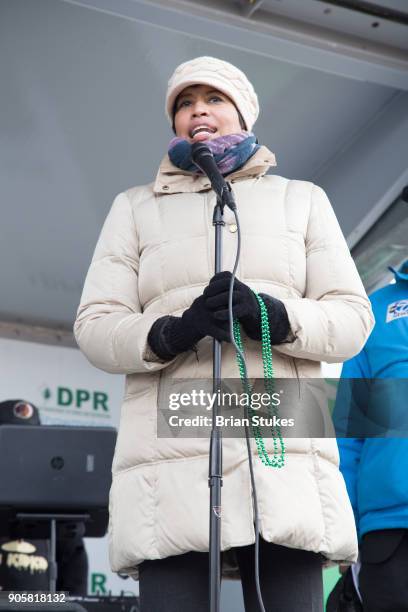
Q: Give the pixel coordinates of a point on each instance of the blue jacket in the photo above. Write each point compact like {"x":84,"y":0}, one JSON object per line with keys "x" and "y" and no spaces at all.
{"x":376,"y":469}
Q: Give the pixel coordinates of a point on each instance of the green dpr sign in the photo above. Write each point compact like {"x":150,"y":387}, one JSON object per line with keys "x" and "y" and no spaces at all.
{"x":80,"y":398}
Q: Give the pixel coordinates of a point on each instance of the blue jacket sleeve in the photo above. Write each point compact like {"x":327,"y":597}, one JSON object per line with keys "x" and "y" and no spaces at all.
{"x":350,"y":448}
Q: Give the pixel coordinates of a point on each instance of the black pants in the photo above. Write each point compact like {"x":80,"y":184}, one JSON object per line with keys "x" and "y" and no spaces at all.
{"x":291,"y":581}
{"x":383,"y":579}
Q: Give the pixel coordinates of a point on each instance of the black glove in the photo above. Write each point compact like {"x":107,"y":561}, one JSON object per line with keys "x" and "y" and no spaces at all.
{"x":245,"y":307}
{"x":170,"y":335}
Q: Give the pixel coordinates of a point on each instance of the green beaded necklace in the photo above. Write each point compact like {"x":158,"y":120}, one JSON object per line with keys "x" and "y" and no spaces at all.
{"x":277,"y":460}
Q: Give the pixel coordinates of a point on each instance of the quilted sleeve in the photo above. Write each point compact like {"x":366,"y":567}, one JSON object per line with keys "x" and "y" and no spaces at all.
{"x":333,"y":320}
{"x":110,"y":328}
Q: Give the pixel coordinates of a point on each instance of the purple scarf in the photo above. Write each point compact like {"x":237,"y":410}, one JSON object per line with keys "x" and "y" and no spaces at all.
{"x":230,"y":152}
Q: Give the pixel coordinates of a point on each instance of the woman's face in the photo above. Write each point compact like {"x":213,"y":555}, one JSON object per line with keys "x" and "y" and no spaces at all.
{"x":204,"y":113}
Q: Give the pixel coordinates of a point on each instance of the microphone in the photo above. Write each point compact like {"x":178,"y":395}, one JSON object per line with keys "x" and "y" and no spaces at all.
{"x":204,"y":159}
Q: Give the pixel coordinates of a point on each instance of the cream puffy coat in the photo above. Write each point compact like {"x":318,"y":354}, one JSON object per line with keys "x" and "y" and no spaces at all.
{"x":154,"y":256}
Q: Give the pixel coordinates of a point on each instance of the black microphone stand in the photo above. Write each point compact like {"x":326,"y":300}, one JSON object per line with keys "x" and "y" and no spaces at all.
{"x":204,"y":159}
{"x":215,"y":462}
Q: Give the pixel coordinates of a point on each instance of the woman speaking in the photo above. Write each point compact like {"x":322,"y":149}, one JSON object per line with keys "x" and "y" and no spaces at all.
{"x":150,"y":308}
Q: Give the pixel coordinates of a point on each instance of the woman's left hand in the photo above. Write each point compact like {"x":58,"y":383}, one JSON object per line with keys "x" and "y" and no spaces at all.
{"x":245,"y":307}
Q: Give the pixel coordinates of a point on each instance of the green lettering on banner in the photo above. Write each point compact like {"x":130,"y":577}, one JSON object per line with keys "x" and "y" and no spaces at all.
{"x":98,"y":584}
{"x":81,"y":397}
{"x":100,"y":399}
{"x":64,"y":396}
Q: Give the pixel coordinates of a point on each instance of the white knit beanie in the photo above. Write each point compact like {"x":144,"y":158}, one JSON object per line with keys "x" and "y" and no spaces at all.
{"x":222,"y":76}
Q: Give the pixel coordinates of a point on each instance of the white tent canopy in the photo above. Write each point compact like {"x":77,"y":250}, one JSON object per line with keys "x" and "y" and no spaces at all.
{"x":83,"y":86}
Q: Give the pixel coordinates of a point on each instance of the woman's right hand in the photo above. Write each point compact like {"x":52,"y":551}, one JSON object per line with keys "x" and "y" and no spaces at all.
{"x":170,"y":335}
{"x":202,"y":322}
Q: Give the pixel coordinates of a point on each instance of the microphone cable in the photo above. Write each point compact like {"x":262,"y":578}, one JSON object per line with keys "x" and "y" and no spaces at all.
{"x":247,"y":437}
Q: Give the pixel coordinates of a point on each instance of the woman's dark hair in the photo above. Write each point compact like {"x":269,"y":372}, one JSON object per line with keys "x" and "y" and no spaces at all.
{"x":241,"y":120}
